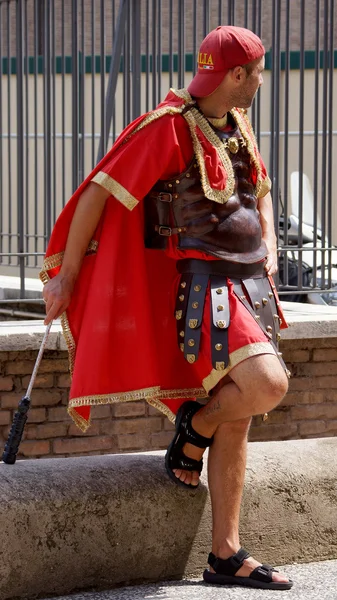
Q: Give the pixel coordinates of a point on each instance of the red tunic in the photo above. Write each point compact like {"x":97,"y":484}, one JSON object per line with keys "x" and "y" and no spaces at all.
{"x":120,"y":326}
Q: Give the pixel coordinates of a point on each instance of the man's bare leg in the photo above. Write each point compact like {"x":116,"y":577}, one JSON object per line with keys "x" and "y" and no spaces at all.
{"x":226,"y":472}
{"x":257,"y":385}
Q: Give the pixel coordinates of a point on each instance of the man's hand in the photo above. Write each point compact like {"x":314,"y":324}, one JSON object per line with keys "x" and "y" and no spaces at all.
{"x":271,"y":265}
{"x":57,"y":295}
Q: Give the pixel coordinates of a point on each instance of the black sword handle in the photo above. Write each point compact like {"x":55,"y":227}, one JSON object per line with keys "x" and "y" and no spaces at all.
{"x":15,"y":434}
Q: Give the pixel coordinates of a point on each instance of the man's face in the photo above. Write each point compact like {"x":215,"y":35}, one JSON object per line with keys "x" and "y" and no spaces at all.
{"x":251,"y":82}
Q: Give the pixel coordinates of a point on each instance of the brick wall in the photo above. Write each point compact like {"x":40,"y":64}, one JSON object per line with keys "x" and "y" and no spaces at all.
{"x":308,"y":410}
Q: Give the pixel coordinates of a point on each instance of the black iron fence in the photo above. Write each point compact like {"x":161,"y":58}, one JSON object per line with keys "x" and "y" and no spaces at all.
{"x":73,"y":73}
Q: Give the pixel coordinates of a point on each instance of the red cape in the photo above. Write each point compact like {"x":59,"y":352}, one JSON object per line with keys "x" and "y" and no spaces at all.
{"x":120,"y":327}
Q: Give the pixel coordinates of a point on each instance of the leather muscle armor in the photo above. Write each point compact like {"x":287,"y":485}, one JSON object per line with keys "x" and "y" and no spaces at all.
{"x":228,"y":231}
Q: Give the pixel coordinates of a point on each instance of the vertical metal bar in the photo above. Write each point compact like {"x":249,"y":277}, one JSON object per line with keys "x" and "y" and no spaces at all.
{"x":136,"y":58}
{"x":286,"y":140}
{"x":52,"y":165}
{"x":81,"y":99}
{"x":20,"y":142}
{"x":316,"y":139}
{"x":300,"y":147}
{"x":276,"y":111}
{"x":330,"y":138}
{"x":126,"y":69}
{"x":159,"y":60}
{"x":63,"y":103}
{"x":47,"y":123}
{"x":181,"y":43}
{"x":194,"y":38}
{"x":1,"y":140}
{"x":171,"y":44}
{"x":104,"y":132}
{"x":148,"y":58}
{"x":254,"y":15}
{"x":36,"y":171}
{"x":113,"y":117}
{"x":324,"y":136}
{"x":93,"y":74}
{"x":113,"y":75}
{"x":206,"y":16}
{"x":9,"y":131}
{"x":272,"y":98}
{"x":154,"y":53}
{"x":245,"y":24}
{"x":27,"y":171}
{"x":220,"y":13}
{"x":74,"y":63}
{"x":258,"y":98}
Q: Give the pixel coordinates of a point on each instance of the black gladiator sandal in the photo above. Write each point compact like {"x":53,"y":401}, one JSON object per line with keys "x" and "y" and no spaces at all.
{"x":225,"y":570}
{"x":175,"y":458}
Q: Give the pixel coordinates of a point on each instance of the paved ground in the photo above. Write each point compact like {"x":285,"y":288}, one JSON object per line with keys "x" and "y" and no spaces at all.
{"x":314,"y":581}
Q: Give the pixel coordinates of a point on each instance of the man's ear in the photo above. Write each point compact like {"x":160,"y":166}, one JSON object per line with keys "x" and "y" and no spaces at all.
{"x":238,"y":74}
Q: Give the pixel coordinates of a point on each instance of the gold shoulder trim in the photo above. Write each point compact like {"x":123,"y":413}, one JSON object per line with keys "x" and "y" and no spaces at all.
{"x":265,"y":187}
{"x":156,"y":114}
{"x":245,"y":126}
{"x":183,"y":94}
{"x":234,"y":359}
{"x":116,"y":189}
{"x":195,"y":119}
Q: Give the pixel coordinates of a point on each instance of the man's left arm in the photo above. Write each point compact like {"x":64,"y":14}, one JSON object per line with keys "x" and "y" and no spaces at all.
{"x":265,"y":208}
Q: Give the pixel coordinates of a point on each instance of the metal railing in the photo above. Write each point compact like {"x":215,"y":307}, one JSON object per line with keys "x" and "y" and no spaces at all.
{"x":74,"y":73}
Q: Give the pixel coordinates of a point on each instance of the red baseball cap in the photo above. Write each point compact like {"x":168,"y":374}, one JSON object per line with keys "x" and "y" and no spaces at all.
{"x":223,"y":49}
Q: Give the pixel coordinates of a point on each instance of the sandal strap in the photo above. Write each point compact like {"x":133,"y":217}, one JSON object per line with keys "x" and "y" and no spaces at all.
{"x":180,"y":461}
{"x":228,"y":566}
{"x":263,"y":573}
{"x":190,"y":435}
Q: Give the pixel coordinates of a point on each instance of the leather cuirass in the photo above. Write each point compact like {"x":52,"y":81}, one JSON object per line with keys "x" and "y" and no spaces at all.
{"x":228,"y":231}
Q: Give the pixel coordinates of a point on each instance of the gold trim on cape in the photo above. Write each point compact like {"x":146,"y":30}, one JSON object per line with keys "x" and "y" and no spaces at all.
{"x":235,"y":358}
{"x":116,"y":189}
{"x":153,"y":396}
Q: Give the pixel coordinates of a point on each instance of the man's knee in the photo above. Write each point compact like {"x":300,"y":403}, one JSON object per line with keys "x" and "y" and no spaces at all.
{"x":271,"y":389}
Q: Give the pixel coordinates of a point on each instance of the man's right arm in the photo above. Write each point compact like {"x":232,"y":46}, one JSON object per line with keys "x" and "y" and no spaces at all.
{"x":58,"y":291}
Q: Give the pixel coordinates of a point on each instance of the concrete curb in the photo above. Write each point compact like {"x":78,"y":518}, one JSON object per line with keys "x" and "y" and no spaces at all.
{"x":106,"y":520}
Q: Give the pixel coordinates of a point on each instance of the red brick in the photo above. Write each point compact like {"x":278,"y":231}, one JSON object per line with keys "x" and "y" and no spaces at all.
{"x":305,"y":397}
{"x":273,"y":432}
{"x":41,"y":381}
{"x":302,"y":383}
{"x":168,"y":425}
{"x":325,"y":355}
{"x":6,"y":384}
{"x":51,"y":430}
{"x":46,"y":397}
{"x":320,"y":411}
{"x":85,"y":444}
{"x":10,"y":400}
{"x":36,"y":415}
{"x":20,"y":367}
{"x":315,"y":369}
{"x":64,"y":381}
{"x":125,"y":426}
{"x":134,"y":442}
{"x":5,"y":417}
{"x":58,"y":413}
{"x":34,"y":448}
{"x":331,"y":425}
{"x":129,"y":409}
{"x":161,"y":439}
{"x":101,"y":412}
{"x":94,"y":429}
{"x":152,"y":411}
{"x":297,"y":356}
{"x":54,"y":366}
{"x":311,"y":428}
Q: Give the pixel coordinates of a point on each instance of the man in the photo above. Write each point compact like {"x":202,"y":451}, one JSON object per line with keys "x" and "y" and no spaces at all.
{"x":199,"y":203}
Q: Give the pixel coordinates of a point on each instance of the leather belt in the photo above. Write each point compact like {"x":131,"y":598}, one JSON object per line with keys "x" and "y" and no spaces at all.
{"x":221,"y":267}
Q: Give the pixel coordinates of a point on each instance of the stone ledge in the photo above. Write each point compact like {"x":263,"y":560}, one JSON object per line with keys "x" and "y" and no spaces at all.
{"x":306,"y":321}
{"x":107,"y":520}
